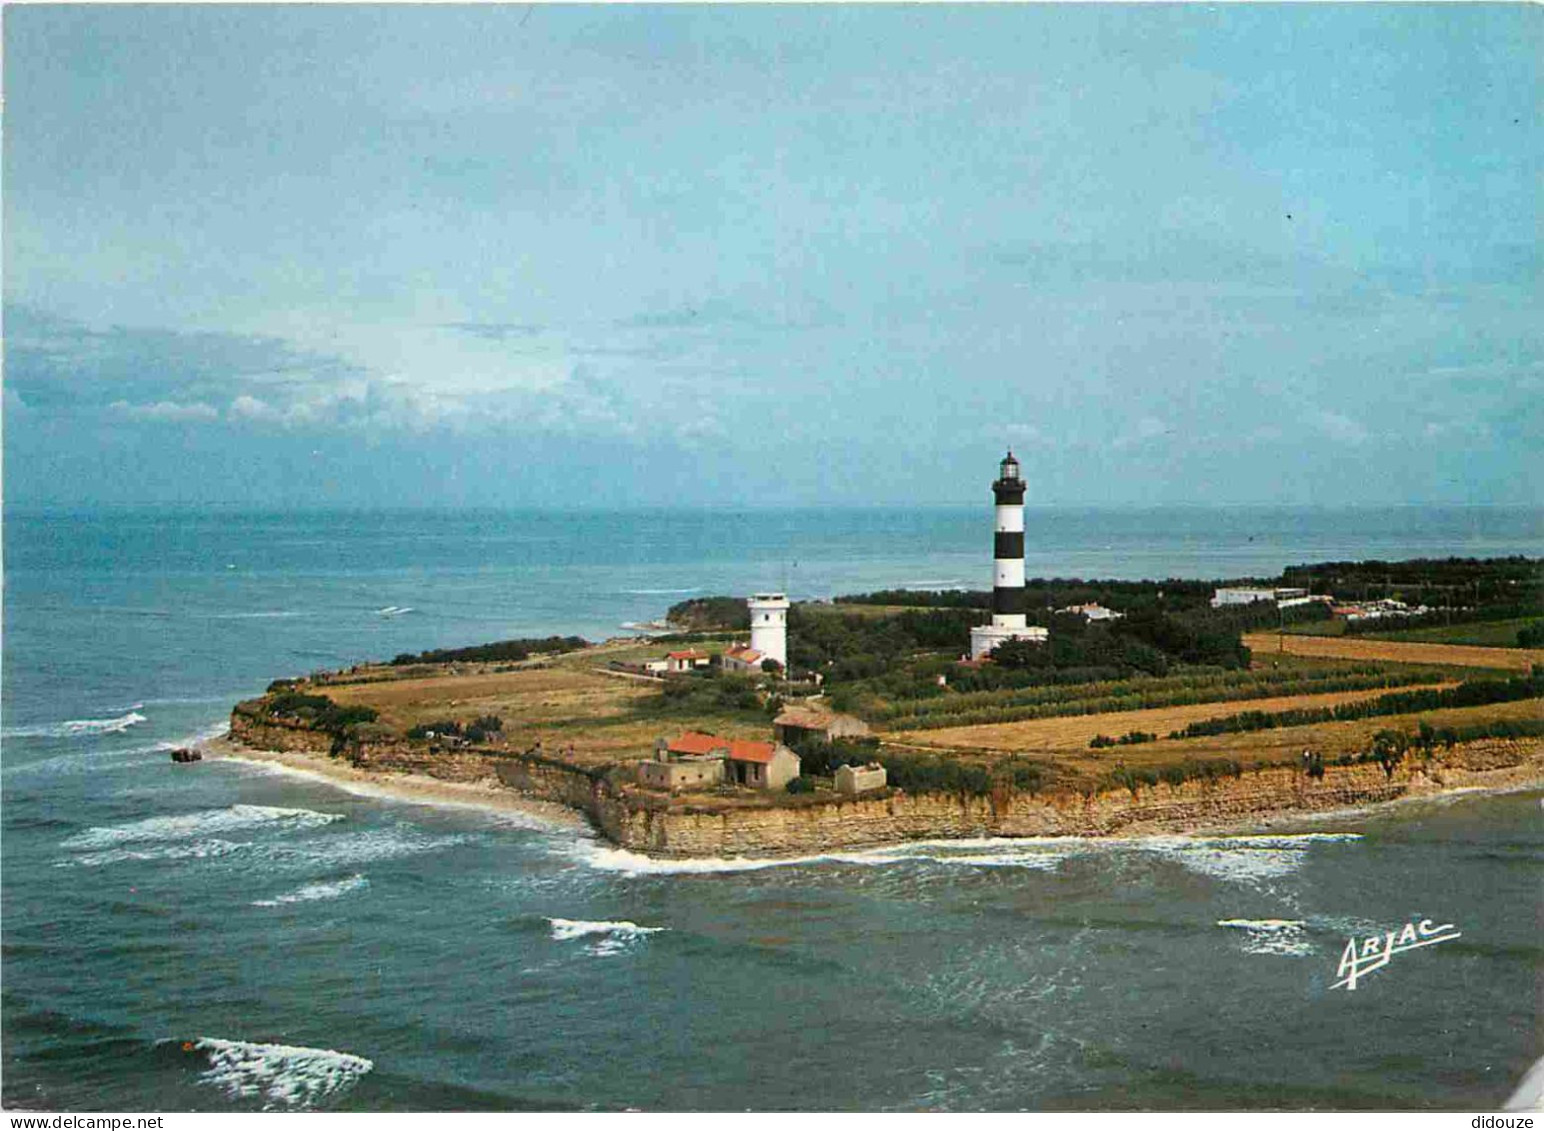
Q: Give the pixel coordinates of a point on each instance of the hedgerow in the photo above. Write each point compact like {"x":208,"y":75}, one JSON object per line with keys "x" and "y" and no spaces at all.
{"x":1112,"y":696}
{"x":1472,"y":693}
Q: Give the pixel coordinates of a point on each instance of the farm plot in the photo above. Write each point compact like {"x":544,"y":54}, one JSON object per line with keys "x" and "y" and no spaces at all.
{"x":1397,"y":651}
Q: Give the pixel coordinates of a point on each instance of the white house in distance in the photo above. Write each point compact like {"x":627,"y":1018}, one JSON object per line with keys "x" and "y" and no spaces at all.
{"x":1092,"y":612}
{"x":1284,"y":597}
{"x":687,"y":660}
{"x":1241,"y":596}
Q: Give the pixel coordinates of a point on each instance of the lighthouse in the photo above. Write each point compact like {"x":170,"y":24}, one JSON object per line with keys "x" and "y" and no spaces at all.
{"x":1007,"y":567}
{"x":769,"y":626}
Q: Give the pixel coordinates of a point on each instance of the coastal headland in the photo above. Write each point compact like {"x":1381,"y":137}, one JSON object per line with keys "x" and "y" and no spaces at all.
{"x":968,"y":750}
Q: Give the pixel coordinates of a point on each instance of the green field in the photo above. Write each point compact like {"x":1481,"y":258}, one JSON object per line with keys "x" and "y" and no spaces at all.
{"x":1481,"y":634}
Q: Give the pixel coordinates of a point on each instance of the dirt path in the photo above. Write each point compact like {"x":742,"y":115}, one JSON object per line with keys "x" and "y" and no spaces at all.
{"x":1405,"y":652}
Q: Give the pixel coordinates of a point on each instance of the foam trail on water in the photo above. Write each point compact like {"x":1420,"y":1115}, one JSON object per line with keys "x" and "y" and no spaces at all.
{"x":104,"y":760}
{"x":198,"y":737}
{"x":280,"y":614}
{"x":611,"y":937}
{"x":1271,"y":936}
{"x":363,"y":847}
{"x":1242,"y":859}
{"x":1041,"y":853}
{"x":287,"y":1075}
{"x":187,"y":826}
{"x":1245,"y":859}
{"x":551,"y":819}
{"x":311,"y":892}
{"x":198,"y":850}
{"x":72,"y":728}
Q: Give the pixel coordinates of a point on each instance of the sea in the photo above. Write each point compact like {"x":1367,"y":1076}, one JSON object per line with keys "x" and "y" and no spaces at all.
{"x":230,"y":936}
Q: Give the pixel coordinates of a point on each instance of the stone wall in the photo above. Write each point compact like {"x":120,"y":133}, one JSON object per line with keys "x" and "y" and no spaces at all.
{"x":846,"y":823}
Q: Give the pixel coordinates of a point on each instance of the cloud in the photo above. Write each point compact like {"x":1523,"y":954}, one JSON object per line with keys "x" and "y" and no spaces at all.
{"x":166,"y":411}
{"x":495,"y":331}
{"x":1030,"y":435}
{"x":1148,"y":428}
{"x":1341,"y":429}
{"x":247,"y":407}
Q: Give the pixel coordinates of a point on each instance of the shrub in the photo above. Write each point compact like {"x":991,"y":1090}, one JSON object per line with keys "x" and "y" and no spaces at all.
{"x":801,"y":784}
{"x":438,"y":729}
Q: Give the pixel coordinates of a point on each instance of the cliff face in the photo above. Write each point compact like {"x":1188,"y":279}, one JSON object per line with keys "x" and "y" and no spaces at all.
{"x":651,"y":823}
{"x":270,"y":734}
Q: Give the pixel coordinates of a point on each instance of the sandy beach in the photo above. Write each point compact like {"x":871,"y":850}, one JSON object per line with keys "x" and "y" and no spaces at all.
{"x":488,"y":795}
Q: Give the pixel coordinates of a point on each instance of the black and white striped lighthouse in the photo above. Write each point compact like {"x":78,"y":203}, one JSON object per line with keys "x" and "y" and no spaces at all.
{"x":1008,"y":610}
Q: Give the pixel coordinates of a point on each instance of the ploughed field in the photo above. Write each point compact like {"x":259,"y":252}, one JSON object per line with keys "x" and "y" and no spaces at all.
{"x":1280,"y":745}
{"x":1395,"y":651}
{"x":1075,"y":732}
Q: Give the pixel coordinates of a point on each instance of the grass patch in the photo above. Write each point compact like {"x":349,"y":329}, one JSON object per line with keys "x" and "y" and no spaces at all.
{"x":1481,"y":634}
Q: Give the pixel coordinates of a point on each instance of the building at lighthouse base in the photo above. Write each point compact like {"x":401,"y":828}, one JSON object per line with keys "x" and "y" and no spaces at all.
{"x":984,"y":638}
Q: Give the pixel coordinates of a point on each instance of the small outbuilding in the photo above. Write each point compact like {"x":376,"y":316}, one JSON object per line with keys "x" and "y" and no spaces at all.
{"x":853,"y":780}
{"x":806,"y":720}
{"x":761,"y":765}
{"x":681,"y":766}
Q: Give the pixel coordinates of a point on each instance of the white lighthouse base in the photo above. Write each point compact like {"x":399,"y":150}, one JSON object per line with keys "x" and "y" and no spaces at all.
{"x":988,"y":636}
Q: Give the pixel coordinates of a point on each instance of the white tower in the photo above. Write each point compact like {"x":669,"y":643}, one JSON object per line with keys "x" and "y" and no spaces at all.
{"x":769,"y":626}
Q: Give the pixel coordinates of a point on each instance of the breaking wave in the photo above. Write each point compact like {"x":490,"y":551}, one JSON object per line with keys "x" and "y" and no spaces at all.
{"x":199,"y":850}
{"x":331,"y":889}
{"x":394,"y":610}
{"x":610,"y":937}
{"x":367,"y":847}
{"x":1242,"y":859}
{"x":279,"y":614}
{"x":187,"y":826}
{"x":73,"y":728}
{"x":286,"y":1075}
{"x":1039,"y":853}
{"x":1271,"y":936}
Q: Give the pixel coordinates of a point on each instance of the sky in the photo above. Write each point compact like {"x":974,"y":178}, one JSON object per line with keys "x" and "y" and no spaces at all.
{"x":773,"y":255}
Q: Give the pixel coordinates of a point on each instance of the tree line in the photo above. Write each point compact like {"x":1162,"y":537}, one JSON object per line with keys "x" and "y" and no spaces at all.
{"x":503,"y":650}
